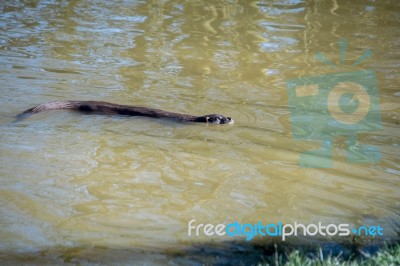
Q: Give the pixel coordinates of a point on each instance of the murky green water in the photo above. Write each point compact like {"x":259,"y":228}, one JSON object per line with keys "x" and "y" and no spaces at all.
{"x":72,"y":182}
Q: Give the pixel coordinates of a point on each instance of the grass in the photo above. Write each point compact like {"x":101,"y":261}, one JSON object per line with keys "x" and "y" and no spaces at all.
{"x":387,"y":256}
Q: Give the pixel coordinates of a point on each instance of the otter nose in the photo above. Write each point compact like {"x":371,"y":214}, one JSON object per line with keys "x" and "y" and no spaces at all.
{"x":230,"y":120}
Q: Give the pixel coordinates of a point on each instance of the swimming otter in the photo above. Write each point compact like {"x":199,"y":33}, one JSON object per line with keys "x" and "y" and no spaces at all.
{"x":111,"y":108}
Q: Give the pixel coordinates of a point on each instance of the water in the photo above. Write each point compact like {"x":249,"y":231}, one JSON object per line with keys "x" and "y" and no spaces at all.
{"x":70,"y":182}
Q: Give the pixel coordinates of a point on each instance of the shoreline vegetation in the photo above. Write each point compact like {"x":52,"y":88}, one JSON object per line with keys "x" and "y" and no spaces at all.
{"x":212,"y":253}
{"x":388,"y":255}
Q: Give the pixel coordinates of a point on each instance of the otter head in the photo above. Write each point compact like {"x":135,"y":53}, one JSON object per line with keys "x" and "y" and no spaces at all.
{"x":215,"y":119}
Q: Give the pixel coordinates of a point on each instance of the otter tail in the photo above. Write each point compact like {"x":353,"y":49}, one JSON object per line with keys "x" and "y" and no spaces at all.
{"x":57,"y":105}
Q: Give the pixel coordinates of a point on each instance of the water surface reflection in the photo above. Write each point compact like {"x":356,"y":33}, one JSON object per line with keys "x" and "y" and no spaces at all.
{"x":69,"y":180}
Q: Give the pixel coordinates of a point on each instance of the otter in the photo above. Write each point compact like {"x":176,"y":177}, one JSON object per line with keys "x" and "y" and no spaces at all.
{"x":118,"y":109}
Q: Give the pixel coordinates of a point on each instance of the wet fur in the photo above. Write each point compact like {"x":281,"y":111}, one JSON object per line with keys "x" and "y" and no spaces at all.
{"x":118,"y":109}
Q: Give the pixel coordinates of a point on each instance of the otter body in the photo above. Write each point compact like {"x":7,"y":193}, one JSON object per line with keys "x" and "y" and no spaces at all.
{"x":118,"y":109}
